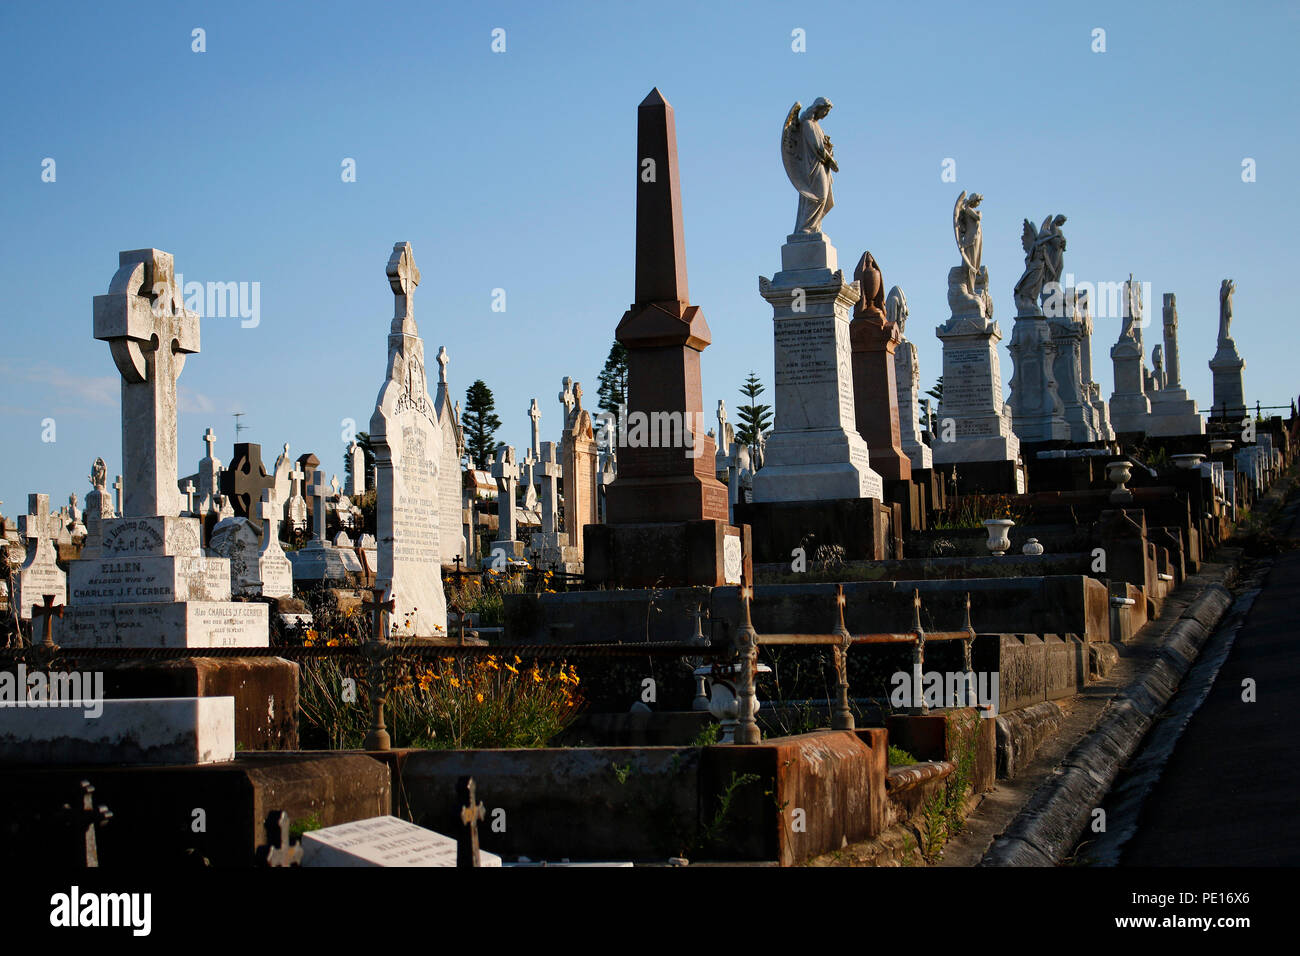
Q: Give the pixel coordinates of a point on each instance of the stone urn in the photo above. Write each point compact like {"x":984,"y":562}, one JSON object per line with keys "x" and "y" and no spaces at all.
{"x":1220,"y":445}
{"x":999,"y":535}
{"x":1187,"y":462}
{"x":722,"y":695}
{"x":1032,"y":548}
{"x":1117,"y":473}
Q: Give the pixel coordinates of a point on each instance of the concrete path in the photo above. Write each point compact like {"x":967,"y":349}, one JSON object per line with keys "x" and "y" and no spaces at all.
{"x":1229,"y":793}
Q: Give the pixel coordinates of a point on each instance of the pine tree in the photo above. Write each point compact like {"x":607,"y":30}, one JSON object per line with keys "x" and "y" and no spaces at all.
{"x":936,"y":392}
{"x":613,"y":379}
{"x":480,"y":425}
{"x":754,"y":418}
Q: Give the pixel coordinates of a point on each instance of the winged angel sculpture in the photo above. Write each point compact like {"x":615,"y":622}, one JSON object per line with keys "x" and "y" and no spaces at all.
{"x":809,"y":162}
{"x":1044,"y":259}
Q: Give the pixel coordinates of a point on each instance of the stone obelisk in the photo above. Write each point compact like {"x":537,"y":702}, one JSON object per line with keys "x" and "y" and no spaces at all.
{"x":666,"y":512}
{"x":664,"y":335}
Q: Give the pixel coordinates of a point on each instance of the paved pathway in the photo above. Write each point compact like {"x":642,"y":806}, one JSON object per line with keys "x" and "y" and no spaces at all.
{"x":1230,"y":793}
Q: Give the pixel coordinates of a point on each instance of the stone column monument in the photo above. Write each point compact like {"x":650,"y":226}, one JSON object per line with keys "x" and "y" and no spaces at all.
{"x":1130,"y":406}
{"x":666,"y":511}
{"x":1037,"y":409}
{"x":815,"y":452}
{"x":1173,"y":412}
{"x":874,"y":339}
{"x":1227,"y":365}
{"x":974,"y":422}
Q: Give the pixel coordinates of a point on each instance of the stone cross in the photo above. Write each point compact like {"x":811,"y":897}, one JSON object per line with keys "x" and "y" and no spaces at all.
{"x":334,"y":485}
{"x":280,"y":849}
{"x":209,"y":442}
{"x":551,"y":470}
{"x":317,"y":494}
{"x":403,"y":278}
{"x":443,"y":359}
{"x":243,"y":482}
{"x":117,"y":496}
{"x":471,"y":812}
{"x":566,"y":398}
{"x":149,"y":331}
{"x":535,"y":414}
{"x":38,"y":524}
{"x":48,"y":610}
{"x":189,"y":498}
{"x":506,"y":472}
{"x":269,"y":511}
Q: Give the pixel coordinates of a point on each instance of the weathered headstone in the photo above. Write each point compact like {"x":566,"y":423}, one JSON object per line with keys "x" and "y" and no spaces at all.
{"x":451,"y":544}
{"x":907,"y":380}
{"x":357,"y":470}
{"x":209,"y":467}
{"x":579,"y":454}
{"x":319,"y":559}
{"x":39,"y":574}
{"x":151,"y":584}
{"x":407,"y":442}
{"x":381,"y":841}
{"x":244,"y":481}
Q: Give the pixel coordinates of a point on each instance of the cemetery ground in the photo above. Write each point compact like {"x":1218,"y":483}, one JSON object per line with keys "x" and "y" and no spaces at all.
{"x":1047,"y":633}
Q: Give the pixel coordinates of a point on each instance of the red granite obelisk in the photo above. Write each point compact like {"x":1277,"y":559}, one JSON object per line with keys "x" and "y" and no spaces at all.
{"x":875,"y":399}
{"x":663,"y":476}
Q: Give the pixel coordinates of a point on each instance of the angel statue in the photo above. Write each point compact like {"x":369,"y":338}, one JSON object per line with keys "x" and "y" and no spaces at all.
{"x":1226,"y":288}
{"x":98,"y":474}
{"x":1044,"y":259}
{"x":896,"y":308}
{"x":966,"y":227}
{"x":809,"y":161}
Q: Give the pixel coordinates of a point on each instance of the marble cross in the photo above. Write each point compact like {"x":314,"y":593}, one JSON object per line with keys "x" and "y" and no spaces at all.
{"x":117,"y":496}
{"x":551,"y":470}
{"x":38,"y":524}
{"x":189,"y":498}
{"x":317,"y":493}
{"x":506,"y":472}
{"x":269,"y":511}
{"x":210,"y":440}
{"x":403,"y":277}
{"x":566,"y":398}
{"x":149,"y":331}
{"x":535,"y":414}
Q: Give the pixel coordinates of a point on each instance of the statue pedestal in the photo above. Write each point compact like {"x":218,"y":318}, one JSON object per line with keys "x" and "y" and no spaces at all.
{"x":1229,"y":386}
{"x":974,"y":423}
{"x":1130,"y":408}
{"x":815,"y":452}
{"x":1038,"y":415}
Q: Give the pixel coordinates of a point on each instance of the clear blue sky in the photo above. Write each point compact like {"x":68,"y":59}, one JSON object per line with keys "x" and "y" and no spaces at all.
{"x":516,"y":171}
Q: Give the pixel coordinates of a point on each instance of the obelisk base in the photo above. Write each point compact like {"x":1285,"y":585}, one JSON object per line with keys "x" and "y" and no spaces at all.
{"x":703,"y":553}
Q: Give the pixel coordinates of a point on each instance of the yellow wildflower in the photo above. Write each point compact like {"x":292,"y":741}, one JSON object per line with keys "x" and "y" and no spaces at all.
{"x":479,"y":697}
{"x":453,"y":681}
{"x":512,"y":669}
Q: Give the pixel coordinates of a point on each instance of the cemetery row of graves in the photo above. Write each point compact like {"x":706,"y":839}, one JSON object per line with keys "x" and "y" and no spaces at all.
{"x":645,"y":641}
